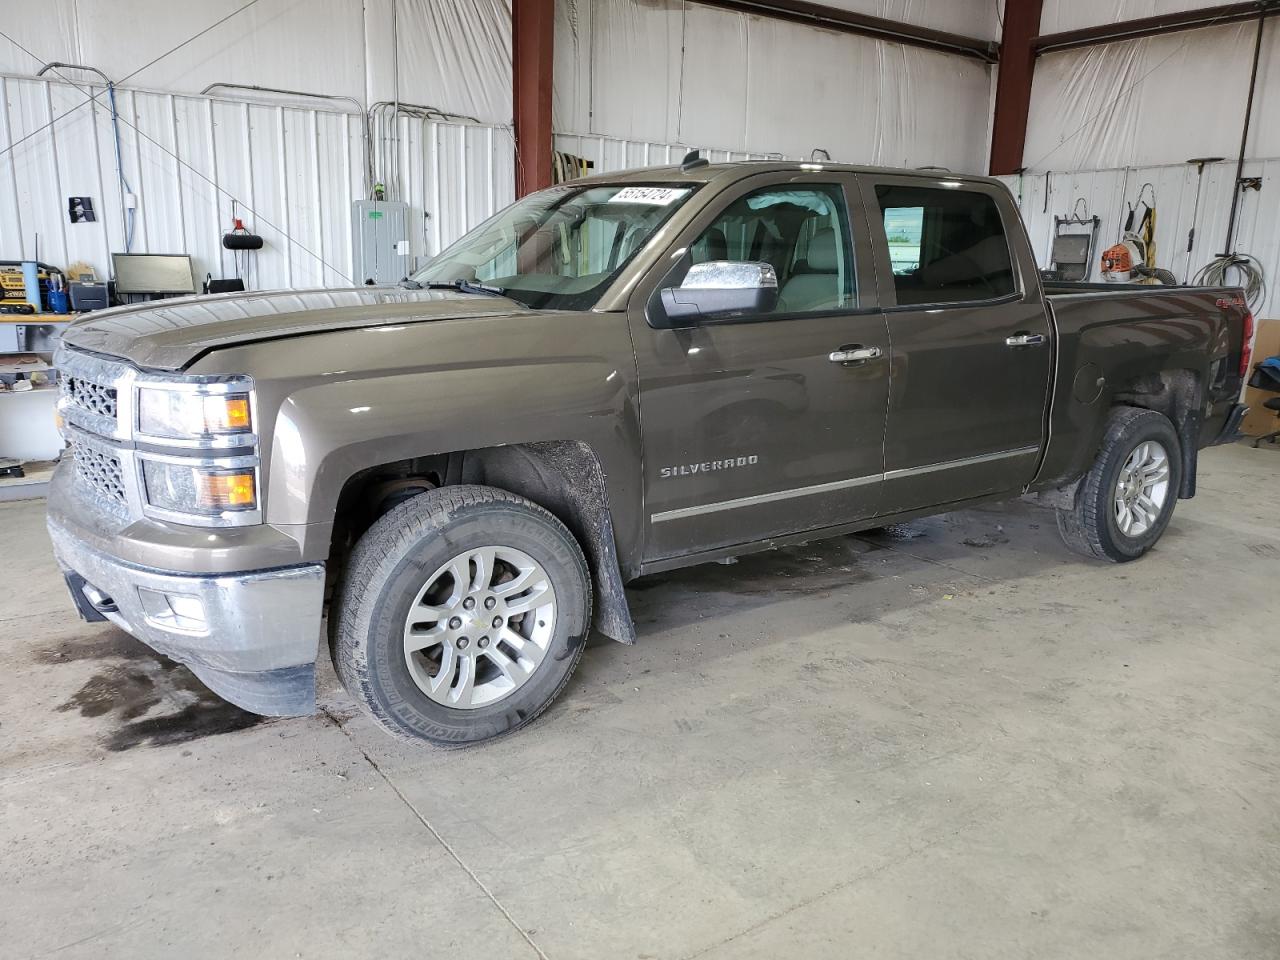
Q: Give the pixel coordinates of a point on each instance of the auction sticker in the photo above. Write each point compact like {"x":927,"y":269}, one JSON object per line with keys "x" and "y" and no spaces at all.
{"x":653,"y":196}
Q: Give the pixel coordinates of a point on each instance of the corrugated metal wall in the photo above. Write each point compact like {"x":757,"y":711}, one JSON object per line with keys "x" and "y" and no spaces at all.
{"x":290,"y":172}
{"x":609,"y":154}
{"x":1108,"y":194}
{"x":672,"y":71}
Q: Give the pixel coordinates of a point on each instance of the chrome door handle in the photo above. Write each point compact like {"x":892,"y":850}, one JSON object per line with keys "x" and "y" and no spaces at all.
{"x":1025,"y":340}
{"x":854,"y":354}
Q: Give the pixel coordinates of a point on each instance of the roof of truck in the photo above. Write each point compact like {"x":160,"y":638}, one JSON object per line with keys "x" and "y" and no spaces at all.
{"x":746,"y":168}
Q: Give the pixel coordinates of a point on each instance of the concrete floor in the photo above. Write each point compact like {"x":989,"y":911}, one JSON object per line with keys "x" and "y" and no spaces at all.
{"x":951,"y":740}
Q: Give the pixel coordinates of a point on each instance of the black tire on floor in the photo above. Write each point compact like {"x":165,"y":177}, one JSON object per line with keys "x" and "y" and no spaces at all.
{"x":1090,"y":528}
{"x":392,"y":562}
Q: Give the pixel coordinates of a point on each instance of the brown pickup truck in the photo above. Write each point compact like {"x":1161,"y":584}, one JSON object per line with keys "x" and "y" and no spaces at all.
{"x":612,"y":377}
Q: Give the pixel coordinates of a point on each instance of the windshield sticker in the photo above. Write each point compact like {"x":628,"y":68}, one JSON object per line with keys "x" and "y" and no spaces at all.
{"x":653,"y":196}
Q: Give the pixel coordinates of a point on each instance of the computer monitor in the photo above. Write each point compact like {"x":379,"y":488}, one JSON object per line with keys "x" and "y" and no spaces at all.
{"x":153,"y":273}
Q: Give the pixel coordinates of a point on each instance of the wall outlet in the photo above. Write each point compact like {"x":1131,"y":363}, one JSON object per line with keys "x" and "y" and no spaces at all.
{"x":131,"y":201}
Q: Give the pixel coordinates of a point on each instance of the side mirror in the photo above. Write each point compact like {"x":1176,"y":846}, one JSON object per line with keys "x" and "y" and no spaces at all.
{"x":721,"y":290}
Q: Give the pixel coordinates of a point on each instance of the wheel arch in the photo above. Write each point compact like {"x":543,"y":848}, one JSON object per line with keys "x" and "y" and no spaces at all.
{"x":1178,"y":394}
{"x":1076,"y":435}
{"x":565,"y":477}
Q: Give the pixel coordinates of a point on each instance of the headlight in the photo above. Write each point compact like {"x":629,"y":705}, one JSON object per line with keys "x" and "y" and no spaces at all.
{"x":203,"y":491}
{"x":197,"y":459}
{"x":193,"y":414}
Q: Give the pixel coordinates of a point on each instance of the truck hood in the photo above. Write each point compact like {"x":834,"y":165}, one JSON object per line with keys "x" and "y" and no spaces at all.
{"x":171,"y":334}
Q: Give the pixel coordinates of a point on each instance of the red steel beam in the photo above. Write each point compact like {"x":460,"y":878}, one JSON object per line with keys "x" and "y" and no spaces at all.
{"x":846,"y":21}
{"x":532,"y":48}
{"x":1154,"y":26}
{"x":1013,"y":85}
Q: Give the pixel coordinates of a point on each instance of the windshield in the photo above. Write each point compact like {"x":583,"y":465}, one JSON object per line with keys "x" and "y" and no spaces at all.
{"x":560,"y":248}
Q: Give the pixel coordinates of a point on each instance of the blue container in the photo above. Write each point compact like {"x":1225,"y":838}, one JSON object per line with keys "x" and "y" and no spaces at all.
{"x":31,"y":283}
{"x":59,"y":302}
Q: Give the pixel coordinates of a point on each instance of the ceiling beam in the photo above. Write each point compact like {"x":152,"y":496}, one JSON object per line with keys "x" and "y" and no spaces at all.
{"x":1154,"y":26}
{"x":532,"y":53}
{"x":846,"y":21}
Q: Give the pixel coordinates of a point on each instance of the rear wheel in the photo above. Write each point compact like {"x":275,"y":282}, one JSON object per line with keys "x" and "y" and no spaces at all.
{"x":1126,"y":499}
{"x":462,"y":615}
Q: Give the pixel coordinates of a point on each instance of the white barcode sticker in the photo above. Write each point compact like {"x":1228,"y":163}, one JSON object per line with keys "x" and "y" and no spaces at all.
{"x":653,"y":196}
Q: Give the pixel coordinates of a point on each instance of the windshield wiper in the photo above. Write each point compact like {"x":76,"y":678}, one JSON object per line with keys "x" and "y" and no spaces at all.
{"x":462,"y":286}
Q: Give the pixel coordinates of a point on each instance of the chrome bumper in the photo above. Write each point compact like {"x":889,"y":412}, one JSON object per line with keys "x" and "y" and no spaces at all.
{"x":251,"y":637}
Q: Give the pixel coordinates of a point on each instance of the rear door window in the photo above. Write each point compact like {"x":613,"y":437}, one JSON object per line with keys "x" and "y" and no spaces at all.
{"x":945,"y":246}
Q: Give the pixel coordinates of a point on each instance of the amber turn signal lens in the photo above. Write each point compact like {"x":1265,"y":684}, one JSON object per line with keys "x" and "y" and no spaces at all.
{"x":235,"y":415}
{"x":222,"y":491}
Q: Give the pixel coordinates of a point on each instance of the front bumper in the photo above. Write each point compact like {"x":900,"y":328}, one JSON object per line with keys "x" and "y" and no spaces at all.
{"x":250,"y":637}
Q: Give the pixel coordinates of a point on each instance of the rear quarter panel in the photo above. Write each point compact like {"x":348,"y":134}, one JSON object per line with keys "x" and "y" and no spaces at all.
{"x":1108,"y":339}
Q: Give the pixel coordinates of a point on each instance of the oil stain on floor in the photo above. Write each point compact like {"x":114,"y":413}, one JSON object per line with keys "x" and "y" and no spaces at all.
{"x":150,"y":701}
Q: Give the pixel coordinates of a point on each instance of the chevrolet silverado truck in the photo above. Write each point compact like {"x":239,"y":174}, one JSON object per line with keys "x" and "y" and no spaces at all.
{"x":613,"y":377}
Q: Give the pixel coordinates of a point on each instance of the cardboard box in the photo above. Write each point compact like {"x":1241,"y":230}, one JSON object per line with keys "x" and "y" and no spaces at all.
{"x":1266,"y":343}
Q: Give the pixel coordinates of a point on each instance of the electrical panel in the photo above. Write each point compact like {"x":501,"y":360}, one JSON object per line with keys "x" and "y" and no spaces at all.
{"x":379,"y":241}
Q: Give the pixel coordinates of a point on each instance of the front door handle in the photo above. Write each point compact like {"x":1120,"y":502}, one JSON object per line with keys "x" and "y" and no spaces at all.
{"x":1025,"y":340}
{"x":854,"y":354}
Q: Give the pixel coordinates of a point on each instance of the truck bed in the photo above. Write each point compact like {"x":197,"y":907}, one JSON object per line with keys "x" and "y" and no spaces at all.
{"x":1118,"y":340}
{"x":1066,"y":288}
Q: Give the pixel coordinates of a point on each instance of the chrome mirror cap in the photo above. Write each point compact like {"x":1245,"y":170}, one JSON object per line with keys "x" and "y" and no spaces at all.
{"x":730,"y":275}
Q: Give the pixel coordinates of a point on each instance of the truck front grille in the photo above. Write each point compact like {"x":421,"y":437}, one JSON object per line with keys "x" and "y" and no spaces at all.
{"x":100,"y":471}
{"x":96,"y":398}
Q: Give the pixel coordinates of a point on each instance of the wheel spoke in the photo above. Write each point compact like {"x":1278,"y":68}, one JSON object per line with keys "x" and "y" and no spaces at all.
{"x":513,"y":670}
{"x":427,"y":613}
{"x":461,"y":695}
{"x":1155,"y":473}
{"x":1125,"y":519}
{"x":485,"y":561}
{"x":525,"y":649}
{"x":443,"y":679}
{"x":1148,"y":507}
{"x":536,"y":596}
{"x":460,"y":573}
{"x":520,"y":582}
{"x":420,"y":638}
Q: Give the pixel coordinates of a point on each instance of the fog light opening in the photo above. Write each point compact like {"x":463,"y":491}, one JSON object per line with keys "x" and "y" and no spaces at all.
{"x":174,"y":611}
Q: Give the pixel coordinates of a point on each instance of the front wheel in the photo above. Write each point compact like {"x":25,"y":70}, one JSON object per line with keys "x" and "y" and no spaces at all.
{"x":1126,"y":499}
{"x":462,"y":615}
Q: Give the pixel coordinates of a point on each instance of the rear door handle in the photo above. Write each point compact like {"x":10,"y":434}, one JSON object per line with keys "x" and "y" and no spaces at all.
{"x":854,"y":354}
{"x":1026,"y":340}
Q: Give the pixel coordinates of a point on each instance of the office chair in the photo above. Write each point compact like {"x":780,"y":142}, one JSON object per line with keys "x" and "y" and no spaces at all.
{"x":1266,"y":376}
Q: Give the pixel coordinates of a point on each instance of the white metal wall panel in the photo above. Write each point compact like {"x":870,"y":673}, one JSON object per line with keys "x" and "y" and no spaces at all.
{"x":610,"y":154}
{"x":670,"y":71}
{"x":1107,"y":193}
{"x":1060,"y":15}
{"x":292,"y":172}
{"x":454,"y":55}
{"x":1155,"y":100}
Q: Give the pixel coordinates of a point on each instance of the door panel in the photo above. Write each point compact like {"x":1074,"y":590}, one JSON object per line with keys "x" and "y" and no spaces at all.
{"x":750,"y":429}
{"x":966,"y":408}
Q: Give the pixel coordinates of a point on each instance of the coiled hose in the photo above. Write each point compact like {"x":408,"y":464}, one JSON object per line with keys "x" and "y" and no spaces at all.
{"x":1219,"y":273}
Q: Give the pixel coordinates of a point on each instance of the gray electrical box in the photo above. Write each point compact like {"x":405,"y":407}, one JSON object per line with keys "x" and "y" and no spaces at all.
{"x":379,"y":241}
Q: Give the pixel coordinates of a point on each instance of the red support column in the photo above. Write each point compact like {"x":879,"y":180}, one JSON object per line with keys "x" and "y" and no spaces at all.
{"x":532,"y":51}
{"x":1013,"y":85}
